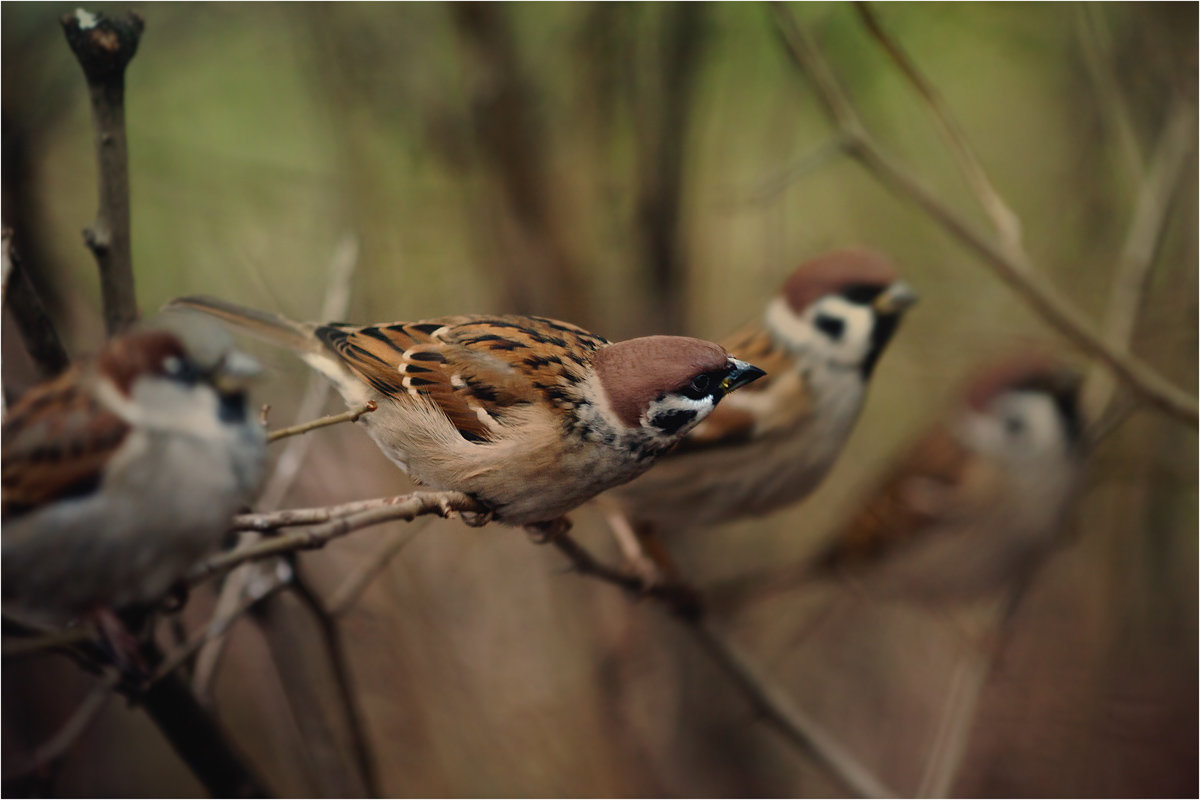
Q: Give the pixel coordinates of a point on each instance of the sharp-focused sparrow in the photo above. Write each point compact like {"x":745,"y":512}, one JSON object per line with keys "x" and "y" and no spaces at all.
{"x":123,"y":471}
{"x":979,"y":498}
{"x":528,"y":415}
{"x":819,"y":340}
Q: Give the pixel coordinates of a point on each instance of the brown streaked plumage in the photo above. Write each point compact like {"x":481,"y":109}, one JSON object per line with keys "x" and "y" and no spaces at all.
{"x":529,"y":415}
{"x":768,"y":446}
{"x":979,"y":497}
{"x":122,"y":471}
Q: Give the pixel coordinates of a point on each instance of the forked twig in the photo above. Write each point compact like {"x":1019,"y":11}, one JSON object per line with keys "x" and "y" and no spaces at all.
{"x":408,"y":507}
{"x":1012,"y":267}
{"x":76,"y":725}
{"x":800,"y":729}
{"x":1004,"y":220}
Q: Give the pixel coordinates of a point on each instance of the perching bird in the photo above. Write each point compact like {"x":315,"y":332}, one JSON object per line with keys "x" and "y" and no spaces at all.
{"x":977,"y":500}
{"x":971,"y":507}
{"x":819,"y":340}
{"x":125,"y":470}
{"x":528,"y":415}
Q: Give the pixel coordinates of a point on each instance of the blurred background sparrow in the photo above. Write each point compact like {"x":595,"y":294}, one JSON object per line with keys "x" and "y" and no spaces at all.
{"x":125,"y":470}
{"x":974,"y":504}
{"x":819,"y":340}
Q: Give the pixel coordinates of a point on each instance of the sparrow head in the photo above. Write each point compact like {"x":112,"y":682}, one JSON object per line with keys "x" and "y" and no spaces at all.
{"x":665,"y":385}
{"x":1023,"y":409}
{"x":841,"y":307}
{"x":181,"y":351}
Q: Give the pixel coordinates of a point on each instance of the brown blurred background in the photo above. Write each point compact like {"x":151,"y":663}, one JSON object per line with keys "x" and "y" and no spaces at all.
{"x":636,"y":168}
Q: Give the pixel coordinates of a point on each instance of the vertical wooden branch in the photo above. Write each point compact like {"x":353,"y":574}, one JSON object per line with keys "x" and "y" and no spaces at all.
{"x":104,"y":47}
{"x":37,"y":331}
{"x":664,"y":131}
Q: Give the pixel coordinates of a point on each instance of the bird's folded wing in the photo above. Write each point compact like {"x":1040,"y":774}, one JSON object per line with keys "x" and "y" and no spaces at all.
{"x":56,"y":442}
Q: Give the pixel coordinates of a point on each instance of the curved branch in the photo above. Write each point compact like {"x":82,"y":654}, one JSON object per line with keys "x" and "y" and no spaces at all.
{"x":1012,"y":266}
{"x":407,"y":507}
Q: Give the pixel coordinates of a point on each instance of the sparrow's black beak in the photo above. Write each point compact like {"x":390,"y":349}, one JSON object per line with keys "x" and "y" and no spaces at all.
{"x":741,"y":374}
{"x":895,"y":299}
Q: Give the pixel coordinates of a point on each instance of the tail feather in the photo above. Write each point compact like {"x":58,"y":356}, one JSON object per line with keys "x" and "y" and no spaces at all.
{"x":269,"y":327}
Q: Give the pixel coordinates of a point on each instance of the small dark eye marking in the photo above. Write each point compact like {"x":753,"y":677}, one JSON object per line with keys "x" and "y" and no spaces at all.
{"x":669,"y":422}
{"x":833,"y":326}
{"x":1014,"y":426}
{"x":862,"y":294}
{"x":180,"y":369}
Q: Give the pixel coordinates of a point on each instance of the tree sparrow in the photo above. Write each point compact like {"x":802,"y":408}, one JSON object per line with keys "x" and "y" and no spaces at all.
{"x":979,"y":498}
{"x":124,"y":470}
{"x":528,"y":415}
{"x":819,"y":340}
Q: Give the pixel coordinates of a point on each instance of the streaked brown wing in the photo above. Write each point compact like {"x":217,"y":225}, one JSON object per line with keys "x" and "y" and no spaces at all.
{"x":472,"y":368}
{"x":57,"y":440}
{"x":905,"y":505}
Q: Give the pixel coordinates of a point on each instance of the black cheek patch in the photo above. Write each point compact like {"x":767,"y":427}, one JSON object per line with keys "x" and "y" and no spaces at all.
{"x":669,"y":422}
{"x":232,"y":408}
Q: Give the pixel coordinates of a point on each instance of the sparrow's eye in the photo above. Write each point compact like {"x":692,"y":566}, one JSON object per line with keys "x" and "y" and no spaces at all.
{"x":699,"y":387}
{"x":180,"y":369}
{"x":831,"y":326}
{"x":861,"y":294}
{"x":1013,"y":426}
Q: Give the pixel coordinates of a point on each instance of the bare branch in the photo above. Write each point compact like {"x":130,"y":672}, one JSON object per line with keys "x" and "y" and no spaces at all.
{"x":37,"y":330}
{"x":292,"y":517}
{"x":407,"y":508}
{"x":797,"y":726}
{"x":1006,"y":223}
{"x":1014,"y":268}
{"x":104,"y":47}
{"x":335,"y":649}
{"x":337,"y":302}
{"x":1096,"y":47}
{"x":76,"y":725}
{"x":769,"y":701}
{"x":322,"y":422}
{"x":1146,"y":230}
{"x":351,"y":589}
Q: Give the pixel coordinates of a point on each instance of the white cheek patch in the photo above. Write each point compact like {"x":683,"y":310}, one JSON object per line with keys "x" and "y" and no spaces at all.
{"x":674,"y":404}
{"x":1040,"y":432}
{"x":800,"y":332}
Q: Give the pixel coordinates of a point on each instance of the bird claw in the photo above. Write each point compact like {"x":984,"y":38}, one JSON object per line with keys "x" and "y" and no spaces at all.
{"x":543,"y":532}
{"x":472,"y":519}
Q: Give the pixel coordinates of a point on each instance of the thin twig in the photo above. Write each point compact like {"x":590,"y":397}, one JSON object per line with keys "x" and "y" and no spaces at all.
{"x":1004,"y":220}
{"x":797,"y":726}
{"x":76,"y":725}
{"x":323,"y":422}
{"x":287,"y":466}
{"x":104,"y":47}
{"x":204,"y":634}
{"x":347,"y":594}
{"x":335,"y":648}
{"x":293,"y":517}
{"x":54,"y":640}
{"x":1096,"y":47}
{"x":37,"y":329}
{"x":1138,"y":255}
{"x":412,"y":506}
{"x":800,"y":729}
{"x":1015,"y":269}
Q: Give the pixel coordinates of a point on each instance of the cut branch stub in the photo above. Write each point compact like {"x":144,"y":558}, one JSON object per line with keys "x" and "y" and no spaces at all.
{"x":103,"y":45}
